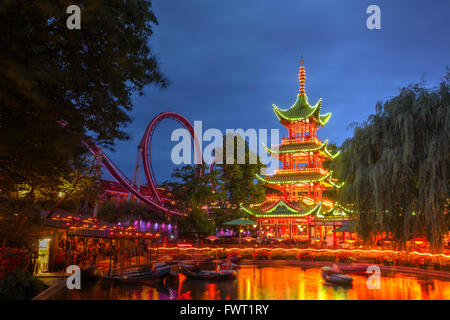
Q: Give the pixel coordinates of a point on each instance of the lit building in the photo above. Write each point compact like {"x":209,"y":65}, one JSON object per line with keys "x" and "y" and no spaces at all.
{"x":299,"y":205}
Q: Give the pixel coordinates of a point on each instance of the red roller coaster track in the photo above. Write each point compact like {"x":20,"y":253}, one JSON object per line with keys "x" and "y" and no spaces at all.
{"x":146,"y":141}
{"x":145,"y":146}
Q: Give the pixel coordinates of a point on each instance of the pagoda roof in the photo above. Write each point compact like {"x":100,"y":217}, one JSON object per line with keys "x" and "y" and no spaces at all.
{"x":295,"y":177}
{"x":284,"y":209}
{"x":334,"y":183}
{"x":336,"y":211}
{"x":302,"y":110}
{"x":302,"y":148}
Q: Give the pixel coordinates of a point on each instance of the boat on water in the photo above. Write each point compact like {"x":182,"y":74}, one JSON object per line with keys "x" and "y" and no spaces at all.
{"x":159,"y":271}
{"x":192,"y":272}
{"x":335,"y":276}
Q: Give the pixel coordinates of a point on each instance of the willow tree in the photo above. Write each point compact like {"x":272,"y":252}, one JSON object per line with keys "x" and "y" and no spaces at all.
{"x":396,"y":166}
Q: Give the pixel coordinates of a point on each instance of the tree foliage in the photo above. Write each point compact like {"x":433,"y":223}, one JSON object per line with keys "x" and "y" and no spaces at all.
{"x":237,"y":181}
{"x":396,"y":166}
{"x":190,"y":188}
{"x":19,"y":223}
{"x":191,"y":192}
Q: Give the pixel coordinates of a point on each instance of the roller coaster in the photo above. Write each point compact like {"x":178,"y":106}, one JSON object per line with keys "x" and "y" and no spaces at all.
{"x":144,"y":152}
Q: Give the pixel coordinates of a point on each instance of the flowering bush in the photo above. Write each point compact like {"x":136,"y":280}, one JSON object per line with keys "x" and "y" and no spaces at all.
{"x":386,"y":260}
{"x":12,"y":259}
{"x":305,"y":256}
{"x":421,"y":262}
{"x":345,"y":257}
{"x":233,"y":254}
{"x":262,"y":255}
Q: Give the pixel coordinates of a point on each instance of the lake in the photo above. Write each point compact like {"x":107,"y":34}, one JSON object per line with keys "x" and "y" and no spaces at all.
{"x":271,"y":283}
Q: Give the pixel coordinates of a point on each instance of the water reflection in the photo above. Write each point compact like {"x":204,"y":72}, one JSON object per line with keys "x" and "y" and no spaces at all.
{"x":272,"y":283}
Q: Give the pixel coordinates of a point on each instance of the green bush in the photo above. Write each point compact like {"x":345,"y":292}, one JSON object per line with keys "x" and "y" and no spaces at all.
{"x":278,"y":255}
{"x":20,"y":285}
{"x":421,"y":262}
{"x":221,"y":254}
{"x":289,"y":256}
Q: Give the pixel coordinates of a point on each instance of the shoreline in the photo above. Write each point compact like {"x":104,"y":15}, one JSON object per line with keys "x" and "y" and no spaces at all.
{"x":435,"y":274}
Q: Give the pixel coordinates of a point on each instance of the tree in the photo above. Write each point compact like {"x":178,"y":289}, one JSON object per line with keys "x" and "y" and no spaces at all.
{"x":396,"y":166}
{"x":85,"y":78}
{"x":191,"y":191}
{"x":237,"y":181}
{"x":19,"y":223}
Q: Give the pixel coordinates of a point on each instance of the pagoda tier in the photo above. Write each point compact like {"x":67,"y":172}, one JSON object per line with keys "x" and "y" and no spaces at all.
{"x":300,"y":184}
{"x":302,"y":149}
{"x":301,"y":115}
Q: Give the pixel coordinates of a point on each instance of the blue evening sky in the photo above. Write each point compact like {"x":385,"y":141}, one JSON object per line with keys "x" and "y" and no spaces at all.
{"x":229,"y":61}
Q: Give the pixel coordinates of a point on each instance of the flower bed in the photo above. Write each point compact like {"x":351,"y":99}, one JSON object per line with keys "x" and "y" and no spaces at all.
{"x":423,"y":262}
{"x":12,"y":259}
{"x":306,"y":256}
{"x":263,"y":255}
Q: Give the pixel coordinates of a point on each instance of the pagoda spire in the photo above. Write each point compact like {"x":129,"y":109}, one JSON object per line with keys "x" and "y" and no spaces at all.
{"x":301,"y":78}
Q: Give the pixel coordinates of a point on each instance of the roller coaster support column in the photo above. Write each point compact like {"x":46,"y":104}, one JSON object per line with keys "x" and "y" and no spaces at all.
{"x":137,"y":172}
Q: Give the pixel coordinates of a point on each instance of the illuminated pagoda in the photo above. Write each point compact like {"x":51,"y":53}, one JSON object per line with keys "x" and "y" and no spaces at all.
{"x":297,"y":206}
